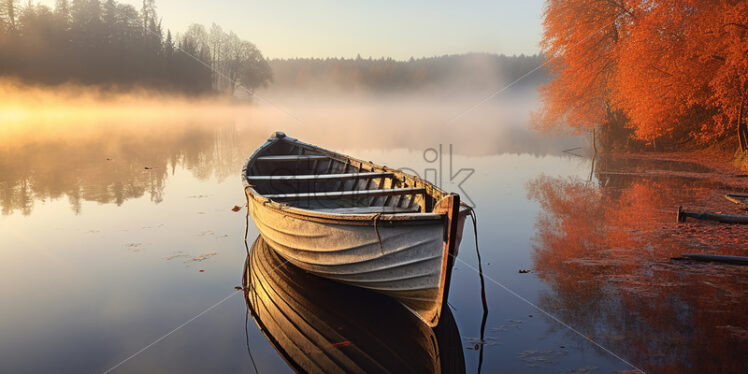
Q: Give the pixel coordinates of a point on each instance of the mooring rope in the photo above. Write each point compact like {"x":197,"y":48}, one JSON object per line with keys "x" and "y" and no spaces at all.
{"x":246,"y":335}
{"x":474,"y":218}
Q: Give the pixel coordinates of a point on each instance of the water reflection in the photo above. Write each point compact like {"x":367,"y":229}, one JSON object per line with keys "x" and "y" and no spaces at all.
{"x":604,"y":250}
{"x":112,"y":163}
{"x":108,"y":151}
{"x":322,"y":326}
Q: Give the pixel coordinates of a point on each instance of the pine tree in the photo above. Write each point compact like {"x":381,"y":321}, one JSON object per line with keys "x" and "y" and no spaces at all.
{"x":8,"y":14}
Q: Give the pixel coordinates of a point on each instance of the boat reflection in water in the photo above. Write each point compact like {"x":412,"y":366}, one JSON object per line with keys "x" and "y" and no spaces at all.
{"x":318,"y":325}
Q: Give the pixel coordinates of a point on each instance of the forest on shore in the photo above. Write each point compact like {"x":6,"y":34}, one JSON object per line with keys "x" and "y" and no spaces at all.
{"x":94,"y":42}
{"x":473,"y":71}
{"x":649,"y":74}
{"x":106,"y":43}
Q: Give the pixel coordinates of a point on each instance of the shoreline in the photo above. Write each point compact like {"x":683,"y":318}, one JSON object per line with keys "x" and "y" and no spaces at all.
{"x":716,"y":170}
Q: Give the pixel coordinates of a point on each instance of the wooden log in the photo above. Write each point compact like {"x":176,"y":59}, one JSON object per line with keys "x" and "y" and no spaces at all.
{"x":737,"y":260}
{"x":737,"y":198}
{"x":707,"y":216}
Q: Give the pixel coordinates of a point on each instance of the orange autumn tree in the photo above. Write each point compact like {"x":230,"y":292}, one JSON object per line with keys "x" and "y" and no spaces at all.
{"x":580,"y":44}
{"x":677,"y":69}
{"x":726,"y":26}
{"x":657,"y":91}
{"x":682,"y":70}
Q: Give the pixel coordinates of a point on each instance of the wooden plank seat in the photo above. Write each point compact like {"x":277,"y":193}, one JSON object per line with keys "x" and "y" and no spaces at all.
{"x":346,"y":194}
{"x":371,"y":209}
{"x":319,"y":177}
{"x":293,"y":158}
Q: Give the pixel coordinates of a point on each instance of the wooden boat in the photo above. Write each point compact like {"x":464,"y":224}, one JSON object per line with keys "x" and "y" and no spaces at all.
{"x":738,"y":198}
{"x":321,"y":326}
{"x":356,"y":222}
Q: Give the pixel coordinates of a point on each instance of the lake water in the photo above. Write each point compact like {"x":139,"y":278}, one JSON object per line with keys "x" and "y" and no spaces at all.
{"x":121,"y":249}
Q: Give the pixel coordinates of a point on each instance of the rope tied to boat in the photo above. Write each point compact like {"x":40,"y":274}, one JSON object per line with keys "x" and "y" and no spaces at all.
{"x":484,"y":301}
{"x":246,"y":195}
{"x":474,"y":218}
{"x":375,"y":218}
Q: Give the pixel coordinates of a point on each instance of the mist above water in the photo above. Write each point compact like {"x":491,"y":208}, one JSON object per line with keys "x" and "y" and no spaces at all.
{"x":477,"y":117}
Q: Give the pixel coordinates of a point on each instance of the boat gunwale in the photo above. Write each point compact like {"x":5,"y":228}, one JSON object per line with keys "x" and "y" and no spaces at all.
{"x":341,"y":218}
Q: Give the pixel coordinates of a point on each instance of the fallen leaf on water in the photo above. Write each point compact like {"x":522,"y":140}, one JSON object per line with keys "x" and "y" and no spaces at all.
{"x":236,"y":208}
{"x":477,"y":342}
{"x":176,"y":255}
{"x":201,"y":257}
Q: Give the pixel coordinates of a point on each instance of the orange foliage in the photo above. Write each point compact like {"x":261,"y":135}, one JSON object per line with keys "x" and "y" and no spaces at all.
{"x":672,"y":67}
{"x":580,"y":44}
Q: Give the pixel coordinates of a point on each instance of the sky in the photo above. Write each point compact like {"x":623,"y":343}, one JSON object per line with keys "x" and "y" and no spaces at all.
{"x":383,"y":28}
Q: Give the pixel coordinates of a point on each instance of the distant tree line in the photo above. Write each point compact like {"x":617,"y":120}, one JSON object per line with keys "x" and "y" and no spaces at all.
{"x":105,"y":42}
{"x":471,"y":70}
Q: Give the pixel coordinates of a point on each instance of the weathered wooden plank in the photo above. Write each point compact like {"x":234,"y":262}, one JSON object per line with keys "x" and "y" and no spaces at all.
{"x":724,"y":218}
{"x":346,"y":194}
{"x":319,"y":177}
{"x":370,"y":209}
{"x":292,"y":158}
{"x":737,"y":198}
{"x":737,"y":260}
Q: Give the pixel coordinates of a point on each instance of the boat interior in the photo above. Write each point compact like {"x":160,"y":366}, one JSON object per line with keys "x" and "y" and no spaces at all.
{"x":308,"y":177}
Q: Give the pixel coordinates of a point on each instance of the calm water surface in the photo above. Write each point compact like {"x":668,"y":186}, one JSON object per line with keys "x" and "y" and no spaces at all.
{"x":121,"y":250}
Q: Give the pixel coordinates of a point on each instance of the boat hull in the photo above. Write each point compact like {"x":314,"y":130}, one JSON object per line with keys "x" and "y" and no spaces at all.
{"x":405,"y":260}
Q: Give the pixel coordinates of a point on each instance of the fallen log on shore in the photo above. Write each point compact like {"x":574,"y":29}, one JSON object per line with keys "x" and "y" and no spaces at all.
{"x":738,"y":198}
{"x":735,"y":260}
{"x":724,"y":218}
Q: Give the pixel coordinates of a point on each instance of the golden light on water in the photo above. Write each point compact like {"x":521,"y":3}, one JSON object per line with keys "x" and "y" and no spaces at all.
{"x":22,"y":103}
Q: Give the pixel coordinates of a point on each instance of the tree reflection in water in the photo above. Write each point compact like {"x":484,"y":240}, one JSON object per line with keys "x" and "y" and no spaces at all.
{"x":111,"y":163}
{"x":604,"y":248}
